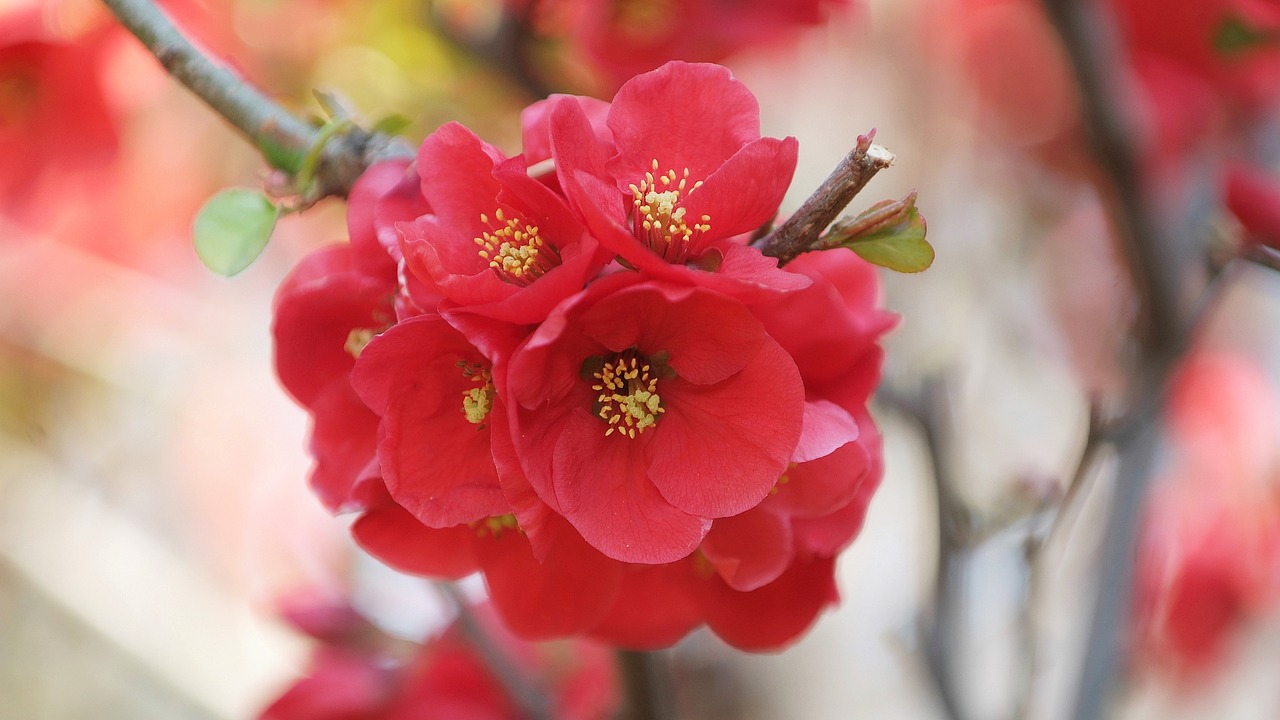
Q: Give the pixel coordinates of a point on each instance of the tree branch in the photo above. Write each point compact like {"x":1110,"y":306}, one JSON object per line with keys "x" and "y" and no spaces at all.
{"x":800,"y":232}
{"x":282,"y":138}
{"x":1155,"y":272}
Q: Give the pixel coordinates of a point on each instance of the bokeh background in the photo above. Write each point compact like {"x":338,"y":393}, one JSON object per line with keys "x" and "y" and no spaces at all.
{"x":153,"y":502}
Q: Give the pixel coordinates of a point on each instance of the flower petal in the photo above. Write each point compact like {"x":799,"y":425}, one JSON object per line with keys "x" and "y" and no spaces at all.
{"x":676,"y":588}
{"x":719,"y":449}
{"x":683,"y":115}
{"x":745,"y":192}
{"x":776,"y":614}
{"x":448,"y":154}
{"x":826,"y":427}
{"x":566,"y":594}
{"x":749,"y":550}
{"x":395,"y":537}
{"x":603,"y":490}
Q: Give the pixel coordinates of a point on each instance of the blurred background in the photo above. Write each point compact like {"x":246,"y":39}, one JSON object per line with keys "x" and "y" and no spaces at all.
{"x":153,"y":501}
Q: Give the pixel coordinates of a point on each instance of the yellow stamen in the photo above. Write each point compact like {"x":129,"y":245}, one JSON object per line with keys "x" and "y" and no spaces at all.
{"x":477,"y":402}
{"x":628,"y":400}
{"x":658,"y":220}
{"x":515,"y":249}
{"x":357,"y":339}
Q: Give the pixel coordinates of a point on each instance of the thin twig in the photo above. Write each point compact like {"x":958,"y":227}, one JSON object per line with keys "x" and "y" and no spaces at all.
{"x":283,"y":139}
{"x":939,"y":626}
{"x":528,"y":696}
{"x":800,"y":232}
{"x":1156,"y":272}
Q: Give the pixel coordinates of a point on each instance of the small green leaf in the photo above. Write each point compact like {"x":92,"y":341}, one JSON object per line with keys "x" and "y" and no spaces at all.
{"x":232,"y":229}
{"x":890,"y":234}
{"x":1235,"y":36}
{"x":393,"y":124}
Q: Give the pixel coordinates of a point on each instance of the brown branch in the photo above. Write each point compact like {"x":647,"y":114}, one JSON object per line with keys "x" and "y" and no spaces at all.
{"x":646,"y":686}
{"x":282,"y":138}
{"x":800,"y":233}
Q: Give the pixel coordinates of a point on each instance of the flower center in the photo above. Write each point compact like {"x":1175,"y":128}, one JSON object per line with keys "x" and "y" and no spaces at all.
{"x":477,"y":402}
{"x":628,"y":397}
{"x":659,"y":221}
{"x":515,"y":249}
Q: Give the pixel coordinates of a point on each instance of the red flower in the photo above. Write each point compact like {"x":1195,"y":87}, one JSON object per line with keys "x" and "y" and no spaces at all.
{"x":1210,"y":552}
{"x":642,"y":410}
{"x":625,"y":37}
{"x":497,"y":241}
{"x":690,"y":174}
{"x":360,"y":678}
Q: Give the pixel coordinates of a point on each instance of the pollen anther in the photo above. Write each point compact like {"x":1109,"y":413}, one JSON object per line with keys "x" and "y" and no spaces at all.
{"x":515,"y":249}
{"x":657,"y":218}
{"x":627,"y":399}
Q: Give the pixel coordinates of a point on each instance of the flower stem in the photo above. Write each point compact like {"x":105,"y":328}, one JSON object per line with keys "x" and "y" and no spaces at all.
{"x":800,"y":233}
{"x":282,"y":138}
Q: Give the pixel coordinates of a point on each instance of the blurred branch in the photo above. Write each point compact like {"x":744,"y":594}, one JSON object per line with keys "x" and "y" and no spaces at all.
{"x":283,"y":139}
{"x":938,"y":628}
{"x":1161,"y":332}
{"x":646,"y":686}
{"x":800,"y":231}
{"x":506,"y":49}
{"x":528,"y":696}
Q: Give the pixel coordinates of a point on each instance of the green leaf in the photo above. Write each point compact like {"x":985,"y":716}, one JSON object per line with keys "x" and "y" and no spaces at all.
{"x":1235,"y":36}
{"x":393,"y":124}
{"x":890,"y":234}
{"x":232,"y":229}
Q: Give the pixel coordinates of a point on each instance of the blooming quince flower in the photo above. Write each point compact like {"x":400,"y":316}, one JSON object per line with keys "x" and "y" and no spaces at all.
{"x":690,"y":174}
{"x":642,"y":410}
{"x":497,"y":241}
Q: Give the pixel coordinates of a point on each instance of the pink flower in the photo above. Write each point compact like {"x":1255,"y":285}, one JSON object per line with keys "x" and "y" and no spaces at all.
{"x":686,"y":176}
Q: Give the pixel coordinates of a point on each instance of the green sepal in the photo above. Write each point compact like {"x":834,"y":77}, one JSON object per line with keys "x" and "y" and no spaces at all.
{"x":890,"y":234}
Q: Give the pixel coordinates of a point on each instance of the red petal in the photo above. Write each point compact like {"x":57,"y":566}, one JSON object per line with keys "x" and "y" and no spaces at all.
{"x":566,"y":594}
{"x":683,"y":115}
{"x":604,"y":491}
{"x":317,"y":306}
{"x":436,"y":463}
{"x":749,"y":550}
{"x":829,"y":534}
{"x":343,"y":441}
{"x":776,"y":614}
{"x":372,"y":256}
{"x":745,"y":192}
{"x":535,"y":123}
{"x":656,"y":607}
{"x":708,"y":336}
{"x":395,"y":537}
{"x":456,"y":168}
{"x":719,"y":449}
{"x":826,"y":427}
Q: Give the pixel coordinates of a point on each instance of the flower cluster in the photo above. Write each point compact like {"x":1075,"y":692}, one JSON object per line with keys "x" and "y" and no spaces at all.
{"x":569,"y":370}
{"x":359,"y":673}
